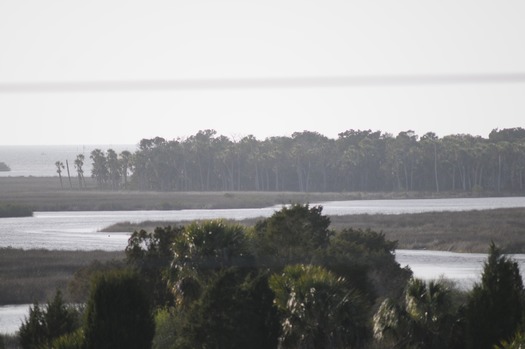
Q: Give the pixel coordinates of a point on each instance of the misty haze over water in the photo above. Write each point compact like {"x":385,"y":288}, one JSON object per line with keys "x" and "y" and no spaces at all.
{"x":39,"y":160}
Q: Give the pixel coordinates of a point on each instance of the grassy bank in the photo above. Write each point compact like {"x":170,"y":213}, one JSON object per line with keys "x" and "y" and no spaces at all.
{"x":467,"y":231}
{"x":46,"y":194}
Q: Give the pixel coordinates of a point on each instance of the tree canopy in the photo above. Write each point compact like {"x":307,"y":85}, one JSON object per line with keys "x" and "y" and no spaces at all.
{"x":357,"y":160}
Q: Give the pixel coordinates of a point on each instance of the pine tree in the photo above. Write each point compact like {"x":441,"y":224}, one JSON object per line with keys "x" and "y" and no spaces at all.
{"x":495,"y":307}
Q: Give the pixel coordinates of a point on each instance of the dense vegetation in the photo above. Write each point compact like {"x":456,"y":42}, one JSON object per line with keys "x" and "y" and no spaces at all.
{"x":288,"y":282}
{"x":308,"y":162}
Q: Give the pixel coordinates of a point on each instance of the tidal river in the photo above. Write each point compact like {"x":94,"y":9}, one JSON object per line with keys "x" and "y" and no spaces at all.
{"x":80,"y":230}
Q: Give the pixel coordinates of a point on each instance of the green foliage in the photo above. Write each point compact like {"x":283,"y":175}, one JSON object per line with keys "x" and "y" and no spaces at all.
{"x":358,"y":160}
{"x":202,"y":249}
{"x":151,"y":254}
{"x":99,"y":169}
{"x":46,"y":324}
{"x":225,"y":295}
{"x":517,"y":342}
{"x":234,"y":311}
{"x":118,"y":313}
{"x":210,"y":245}
{"x":74,"y":340}
{"x":291,"y":235}
{"x":80,"y":284}
{"x":424,"y":320}
{"x":222,"y":300}
{"x":32,"y":332}
{"x":318,"y":309}
{"x":495,"y":307}
{"x":367,"y":260}
{"x":165,"y":327}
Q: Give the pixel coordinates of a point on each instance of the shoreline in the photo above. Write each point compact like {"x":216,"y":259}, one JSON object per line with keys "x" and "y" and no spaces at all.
{"x":47,"y":194}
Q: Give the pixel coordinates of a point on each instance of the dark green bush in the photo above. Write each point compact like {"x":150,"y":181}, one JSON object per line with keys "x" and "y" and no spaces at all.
{"x":118,"y":313}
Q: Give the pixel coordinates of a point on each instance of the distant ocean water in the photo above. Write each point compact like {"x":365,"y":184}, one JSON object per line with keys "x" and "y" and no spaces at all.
{"x":39,"y":160}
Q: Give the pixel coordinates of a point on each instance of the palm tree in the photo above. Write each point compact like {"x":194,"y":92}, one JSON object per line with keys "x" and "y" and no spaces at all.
{"x":518,"y":342}
{"x":100,"y":167}
{"x":318,"y":309}
{"x":424,"y":319}
{"x":79,"y":163}
{"x":60,"y":166}
{"x":125,"y":163}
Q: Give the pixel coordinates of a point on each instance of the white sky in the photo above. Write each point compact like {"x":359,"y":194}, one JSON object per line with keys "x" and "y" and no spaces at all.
{"x":117,"y":40}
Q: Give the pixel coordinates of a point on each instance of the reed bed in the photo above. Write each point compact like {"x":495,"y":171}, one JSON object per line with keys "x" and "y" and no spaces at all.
{"x":35,"y":275}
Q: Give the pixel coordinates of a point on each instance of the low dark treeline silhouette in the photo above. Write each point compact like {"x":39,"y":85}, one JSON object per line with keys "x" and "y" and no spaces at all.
{"x":358,"y":160}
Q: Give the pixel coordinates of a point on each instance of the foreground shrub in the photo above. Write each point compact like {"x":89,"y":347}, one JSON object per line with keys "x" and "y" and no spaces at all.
{"x":494,"y":310}
{"x":73,"y":340}
{"x":318,"y":310}
{"x":48,"y":323}
{"x":425,"y":319}
{"x":118,"y":313}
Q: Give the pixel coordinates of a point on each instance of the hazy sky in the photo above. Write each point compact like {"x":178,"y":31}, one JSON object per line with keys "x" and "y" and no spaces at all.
{"x":106,"y":41}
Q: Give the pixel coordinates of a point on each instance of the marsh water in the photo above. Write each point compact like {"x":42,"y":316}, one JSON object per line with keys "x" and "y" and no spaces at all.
{"x":80,"y":230}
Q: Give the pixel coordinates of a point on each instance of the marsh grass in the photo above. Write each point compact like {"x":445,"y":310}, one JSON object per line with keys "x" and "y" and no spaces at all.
{"x":35,"y":275}
{"x":46,"y":194}
{"x":466,"y":231}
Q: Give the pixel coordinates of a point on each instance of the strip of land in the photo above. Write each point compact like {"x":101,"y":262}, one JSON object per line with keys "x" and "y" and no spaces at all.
{"x":47,"y":194}
{"x":465,"y":231}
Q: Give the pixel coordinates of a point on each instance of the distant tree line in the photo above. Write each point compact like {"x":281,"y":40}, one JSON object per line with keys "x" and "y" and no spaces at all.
{"x":358,"y":160}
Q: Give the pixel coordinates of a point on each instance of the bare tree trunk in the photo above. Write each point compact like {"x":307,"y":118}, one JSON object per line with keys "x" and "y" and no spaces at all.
{"x":69,"y":175}
{"x":435,"y":168}
{"x":499,"y":172}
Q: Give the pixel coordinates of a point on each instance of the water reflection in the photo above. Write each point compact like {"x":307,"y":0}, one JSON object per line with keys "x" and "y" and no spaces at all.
{"x":463,"y":268}
{"x":11,"y":317}
{"x":79,"y":230}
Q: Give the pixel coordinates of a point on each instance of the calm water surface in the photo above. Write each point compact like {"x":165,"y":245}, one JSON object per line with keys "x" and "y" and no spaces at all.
{"x":11,"y":317}
{"x":80,"y":230}
{"x":39,"y":161}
